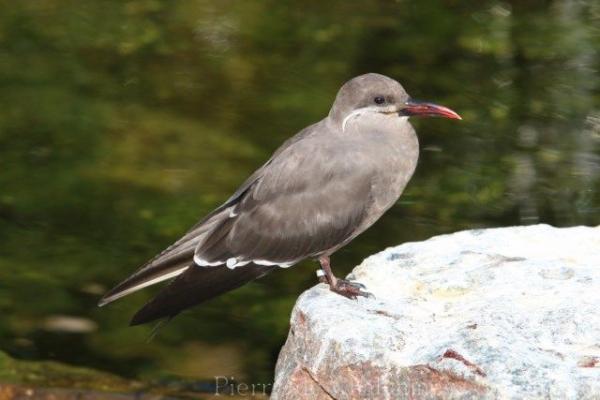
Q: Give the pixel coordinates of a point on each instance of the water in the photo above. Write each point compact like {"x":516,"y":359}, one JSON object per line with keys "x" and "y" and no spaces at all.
{"x":122,"y":123}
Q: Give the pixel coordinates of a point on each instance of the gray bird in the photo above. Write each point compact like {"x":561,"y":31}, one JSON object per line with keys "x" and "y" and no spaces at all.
{"x":319,"y":190}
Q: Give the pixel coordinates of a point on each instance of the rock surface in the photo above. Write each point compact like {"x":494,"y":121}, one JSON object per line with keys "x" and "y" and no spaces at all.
{"x":496,"y":313}
{"x":49,"y":380}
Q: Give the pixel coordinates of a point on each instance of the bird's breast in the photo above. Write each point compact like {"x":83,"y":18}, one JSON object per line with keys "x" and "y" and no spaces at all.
{"x":393,"y":149}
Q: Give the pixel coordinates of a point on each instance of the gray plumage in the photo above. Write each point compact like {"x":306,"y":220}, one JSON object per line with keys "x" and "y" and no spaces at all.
{"x":319,"y":190}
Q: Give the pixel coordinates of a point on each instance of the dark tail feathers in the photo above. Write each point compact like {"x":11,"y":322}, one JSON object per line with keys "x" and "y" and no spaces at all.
{"x":194,"y":286}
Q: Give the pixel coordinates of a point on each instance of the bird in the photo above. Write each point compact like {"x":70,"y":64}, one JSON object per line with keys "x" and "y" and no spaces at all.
{"x":319,"y":190}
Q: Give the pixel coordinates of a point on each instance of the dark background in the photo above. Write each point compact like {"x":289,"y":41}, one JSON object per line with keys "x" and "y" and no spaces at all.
{"x":123,"y":122}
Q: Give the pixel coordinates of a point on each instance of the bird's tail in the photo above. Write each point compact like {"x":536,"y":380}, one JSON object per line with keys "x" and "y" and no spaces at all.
{"x":194,"y":286}
{"x":170,"y":263}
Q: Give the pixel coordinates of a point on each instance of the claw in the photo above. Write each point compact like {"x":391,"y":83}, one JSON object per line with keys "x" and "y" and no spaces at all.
{"x":350,"y":290}
{"x":360,"y":285}
{"x":370,"y":295}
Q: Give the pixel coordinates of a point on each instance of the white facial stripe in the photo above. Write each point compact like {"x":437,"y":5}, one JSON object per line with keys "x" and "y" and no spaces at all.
{"x":353,"y":114}
{"x":391,"y":109}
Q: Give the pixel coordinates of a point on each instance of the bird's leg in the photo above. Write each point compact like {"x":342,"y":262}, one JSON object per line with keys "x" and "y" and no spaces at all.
{"x":341,"y":286}
{"x":322,"y":277}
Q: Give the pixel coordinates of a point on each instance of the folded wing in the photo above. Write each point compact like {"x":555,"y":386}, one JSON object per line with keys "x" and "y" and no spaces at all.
{"x":302,"y":203}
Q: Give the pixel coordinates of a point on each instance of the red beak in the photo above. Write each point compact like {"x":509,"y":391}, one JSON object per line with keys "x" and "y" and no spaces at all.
{"x":414,"y":107}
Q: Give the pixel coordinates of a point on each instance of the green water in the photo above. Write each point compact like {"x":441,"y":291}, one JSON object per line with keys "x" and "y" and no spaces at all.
{"x":123,"y":122}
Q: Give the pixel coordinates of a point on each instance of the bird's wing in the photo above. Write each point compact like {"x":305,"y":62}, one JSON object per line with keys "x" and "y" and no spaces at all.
{"x":310,"y":199}
{"x":307,"y":202}
{"x":179,"y":256}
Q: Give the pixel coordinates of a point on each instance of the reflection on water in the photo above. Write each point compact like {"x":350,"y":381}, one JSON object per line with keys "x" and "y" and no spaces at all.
{"x":122,"y":123}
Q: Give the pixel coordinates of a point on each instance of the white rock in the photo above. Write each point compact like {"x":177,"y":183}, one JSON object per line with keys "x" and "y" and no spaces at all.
{"x":497,"y":313}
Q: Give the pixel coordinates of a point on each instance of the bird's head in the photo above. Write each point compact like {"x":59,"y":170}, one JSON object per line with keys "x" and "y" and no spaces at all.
{"x":375,"y":93}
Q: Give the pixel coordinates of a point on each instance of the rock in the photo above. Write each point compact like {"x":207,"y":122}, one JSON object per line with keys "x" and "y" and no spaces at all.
{"x":495,"y":313}
{"x":29,"y":374}
{"x":19,"y":392}
{"x":49,"y":380}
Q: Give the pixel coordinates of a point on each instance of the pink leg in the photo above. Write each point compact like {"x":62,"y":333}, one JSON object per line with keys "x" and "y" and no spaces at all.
{"x":341,"y":286}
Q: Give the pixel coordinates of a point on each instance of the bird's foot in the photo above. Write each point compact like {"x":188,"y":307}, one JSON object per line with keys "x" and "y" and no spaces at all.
{"x":323,"y":279}
{"x":349,"y":289}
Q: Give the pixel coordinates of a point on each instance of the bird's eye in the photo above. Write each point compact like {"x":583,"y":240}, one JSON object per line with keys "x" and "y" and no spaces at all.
{"x":379,"y":100}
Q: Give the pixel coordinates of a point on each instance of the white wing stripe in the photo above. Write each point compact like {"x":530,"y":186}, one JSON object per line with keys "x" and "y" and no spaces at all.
{"x":142,"y":285}
{"x":233,"y":262}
